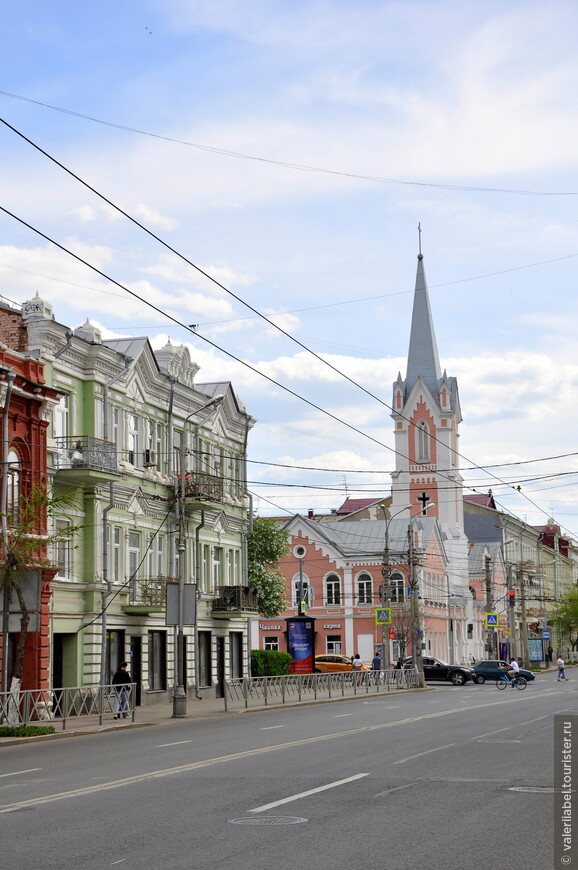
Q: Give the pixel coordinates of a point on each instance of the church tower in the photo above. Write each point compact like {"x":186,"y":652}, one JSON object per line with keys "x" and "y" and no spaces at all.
{"x":426,"y":415}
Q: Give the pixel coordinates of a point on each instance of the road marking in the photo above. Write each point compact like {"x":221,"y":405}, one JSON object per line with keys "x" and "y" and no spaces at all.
{"x":397,"y":788}
{"x":271,"y":727}
{"x":427,"y":752}
{"x":488,"y":733}
{"x":249,"y":753}
{"x":177,"y":743}
{"x":531,"y":721}
{"x":296,"y":797}
{"x":342,"y":715}
{"x":18,"y":772}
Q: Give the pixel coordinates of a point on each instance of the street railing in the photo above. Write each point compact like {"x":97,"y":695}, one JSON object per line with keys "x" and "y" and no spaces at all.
{"x":295,"y":688}
{"x":62,"y":705}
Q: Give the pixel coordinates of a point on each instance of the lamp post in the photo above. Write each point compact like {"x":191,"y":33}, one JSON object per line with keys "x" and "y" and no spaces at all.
{"x":385,"y":587}
{"x":179,"y":694}
{"x":417,"y":652}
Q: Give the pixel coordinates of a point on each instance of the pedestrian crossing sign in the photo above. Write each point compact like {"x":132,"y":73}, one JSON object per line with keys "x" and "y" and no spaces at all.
{"x":382,"y":615}
{"x":492,"y":620}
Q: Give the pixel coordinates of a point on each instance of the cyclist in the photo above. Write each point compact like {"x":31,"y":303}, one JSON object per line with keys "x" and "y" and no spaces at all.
{"x":510,"y":671}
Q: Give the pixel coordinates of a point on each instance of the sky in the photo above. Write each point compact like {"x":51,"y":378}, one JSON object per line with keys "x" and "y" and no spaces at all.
{"x":289,"y":149}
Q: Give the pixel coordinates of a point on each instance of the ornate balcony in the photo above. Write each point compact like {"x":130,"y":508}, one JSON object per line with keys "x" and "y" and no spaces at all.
{"x":85,"y":456}
{"x":203,"y":487}
{"x":235,"y":602}
{"x":148,"y":594}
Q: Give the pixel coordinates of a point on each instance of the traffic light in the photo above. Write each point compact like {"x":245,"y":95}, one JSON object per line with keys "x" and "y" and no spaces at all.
{"x":512,"y":597}
{"x":391,"y":633}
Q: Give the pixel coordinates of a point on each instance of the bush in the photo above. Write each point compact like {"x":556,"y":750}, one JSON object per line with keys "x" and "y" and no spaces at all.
{"x":26,"y":730}
{"x":269,"y":663}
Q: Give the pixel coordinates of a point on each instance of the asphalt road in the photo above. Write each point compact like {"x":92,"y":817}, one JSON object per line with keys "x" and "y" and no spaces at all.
{"x":416,"y":780}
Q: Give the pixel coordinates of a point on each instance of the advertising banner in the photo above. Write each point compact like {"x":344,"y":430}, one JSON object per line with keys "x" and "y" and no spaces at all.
{"x":301,"y":645}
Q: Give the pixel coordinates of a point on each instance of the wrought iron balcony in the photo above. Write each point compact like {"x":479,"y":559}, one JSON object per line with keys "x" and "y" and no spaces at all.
{"x":148,"y":594}
{"x":236,"y":601}
{"x":86,"y":453}
{"x":201,"y":486}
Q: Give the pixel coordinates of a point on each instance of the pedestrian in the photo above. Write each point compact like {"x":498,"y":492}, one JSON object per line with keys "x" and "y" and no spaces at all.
{"x":561,"y":671}
{"x":121,"y":681}
{"x":376,"y":665}
{"x":356,"y":666}
{"x":550,"y":655}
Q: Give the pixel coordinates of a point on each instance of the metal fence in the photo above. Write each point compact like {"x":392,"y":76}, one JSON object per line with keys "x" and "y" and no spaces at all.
{"x":61,"y":705}
{"x":294,"y":688}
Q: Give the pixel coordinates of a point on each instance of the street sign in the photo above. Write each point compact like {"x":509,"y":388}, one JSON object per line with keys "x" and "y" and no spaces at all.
{"x":492,"y":619}
{"x":382,"y":615}
{"x":545,"y":635}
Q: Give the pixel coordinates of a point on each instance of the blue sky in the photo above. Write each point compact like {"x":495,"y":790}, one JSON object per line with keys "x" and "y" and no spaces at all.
{"x":294,"y":148}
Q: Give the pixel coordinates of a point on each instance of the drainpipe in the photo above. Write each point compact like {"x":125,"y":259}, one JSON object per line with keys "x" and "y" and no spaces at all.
{"x":198,"y":695}
{"x":244,"y":553}
{"x":10,"y":375}
{"x":108,"y":586}
{"x":69,"y":337}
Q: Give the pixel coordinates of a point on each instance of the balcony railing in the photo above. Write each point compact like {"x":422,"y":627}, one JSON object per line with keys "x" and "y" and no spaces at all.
{"x":201,"y":486}
{"x":85,"y":451}
{"x":150,"y":591}
{"x":236,"y":599}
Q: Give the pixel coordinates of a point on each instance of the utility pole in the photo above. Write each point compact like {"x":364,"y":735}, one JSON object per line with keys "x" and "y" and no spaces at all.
{"x":489,"y":605}
{"x":417,"y":633}
{"x":523,"y":623}
{"x":385,"y":590}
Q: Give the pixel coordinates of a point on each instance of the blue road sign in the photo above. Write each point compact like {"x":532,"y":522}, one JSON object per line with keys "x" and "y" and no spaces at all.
{"x":383,"y":615}
{"x":492,"y":619}
{"x":546,"y":635}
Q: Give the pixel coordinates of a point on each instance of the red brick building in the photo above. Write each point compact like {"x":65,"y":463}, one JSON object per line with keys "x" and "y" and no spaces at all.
{"x":27,"y":402}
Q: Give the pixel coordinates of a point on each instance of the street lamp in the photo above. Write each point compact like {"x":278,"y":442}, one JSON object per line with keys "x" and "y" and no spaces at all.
{"x":179,"y":694}
{"x":417,"y":653}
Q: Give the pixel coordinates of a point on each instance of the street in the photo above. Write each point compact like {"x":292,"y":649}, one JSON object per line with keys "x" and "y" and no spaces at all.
{"x":377,"y":784}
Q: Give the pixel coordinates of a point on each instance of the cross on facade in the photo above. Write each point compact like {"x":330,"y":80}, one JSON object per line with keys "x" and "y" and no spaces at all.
{"x":424,"y":498}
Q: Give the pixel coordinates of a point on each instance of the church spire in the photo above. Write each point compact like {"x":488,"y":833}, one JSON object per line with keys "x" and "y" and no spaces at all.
{"x":423,"y":359}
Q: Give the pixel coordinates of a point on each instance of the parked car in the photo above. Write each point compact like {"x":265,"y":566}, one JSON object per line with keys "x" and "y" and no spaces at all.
{"x":331,"y":664}
{"x":435,"y":670}
{"x":490,"y":669}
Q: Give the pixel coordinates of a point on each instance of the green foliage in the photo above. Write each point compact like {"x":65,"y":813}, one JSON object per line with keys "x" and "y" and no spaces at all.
{"x":267,"y":543}
{"x":26,"y":730}
{"x":566,"y":616}
{"x":269,"y":663}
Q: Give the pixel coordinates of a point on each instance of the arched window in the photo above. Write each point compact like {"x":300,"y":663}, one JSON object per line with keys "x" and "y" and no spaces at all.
{"x":364,"y":589}
{"x":422,"y":441}
{"x":397,"y":587}
{"x":13,"y":487}
{"x":332,"y":590}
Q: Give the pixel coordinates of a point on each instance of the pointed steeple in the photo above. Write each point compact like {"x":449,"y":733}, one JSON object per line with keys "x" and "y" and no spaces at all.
{"x":423,"y":356}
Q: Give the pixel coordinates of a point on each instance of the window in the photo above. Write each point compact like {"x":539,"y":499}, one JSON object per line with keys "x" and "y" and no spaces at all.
{"x":60,"y":418}
{"x":217,"y":567}
{"x":116,"y":555}
{"x":157,"y":660}
{"x":423,"y":442}
{"x":333,"y":590}
{"x":217,"y":461}
{"x":116,"y":429}
{"x":13,"y":490}
{"x":156,"y":556}
{"x":364,"y":589}
{"x":271,"y":643}
{"x":397,"y":588}
{"x":334,"y":644}
{"x":206,"y":578}
{"x":133,"y":554}
{"x":133,"y":439}
{"x":62,"y":548}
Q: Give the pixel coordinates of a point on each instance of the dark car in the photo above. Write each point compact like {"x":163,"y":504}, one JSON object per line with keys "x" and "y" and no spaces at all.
{"x":435,"y":669}
{"x":491,"y":669}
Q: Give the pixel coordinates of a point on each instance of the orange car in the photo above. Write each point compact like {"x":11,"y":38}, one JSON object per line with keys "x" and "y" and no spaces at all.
{"x":331,"y":664}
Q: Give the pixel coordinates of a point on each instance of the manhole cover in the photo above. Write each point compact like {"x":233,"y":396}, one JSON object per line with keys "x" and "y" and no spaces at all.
{"x":267,"y":820}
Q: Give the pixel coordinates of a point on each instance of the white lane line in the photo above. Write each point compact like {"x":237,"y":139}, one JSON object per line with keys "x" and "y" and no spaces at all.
{"x":271,"y":727}
{"x":296,"y":797}
{"x":427,"y":752}
{"x":342,"y":715}
{"x":18,"y":772}
{"x":489,"y":733}
{"x":177,"y":743}
{"x":397,"y":788}
{"x":531,"y":721}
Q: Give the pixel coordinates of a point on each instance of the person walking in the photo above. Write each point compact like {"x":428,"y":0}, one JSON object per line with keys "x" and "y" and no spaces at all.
{"x":561,"y":669}
{"x":356,"y":666}
{"x":121,"y":681}
{"x":376,"y":665}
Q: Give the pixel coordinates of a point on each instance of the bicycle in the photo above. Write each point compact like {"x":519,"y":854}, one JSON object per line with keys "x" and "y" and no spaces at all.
{"x":517,"y":682}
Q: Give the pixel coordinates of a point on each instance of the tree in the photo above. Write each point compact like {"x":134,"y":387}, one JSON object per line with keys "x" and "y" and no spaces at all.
{"x":24,"y":548}
{"x":267,"y":543}
{"x":565,"y":616}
